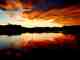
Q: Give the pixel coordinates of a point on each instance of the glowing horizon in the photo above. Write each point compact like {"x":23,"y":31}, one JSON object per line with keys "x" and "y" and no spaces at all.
{"x":16,"y":13}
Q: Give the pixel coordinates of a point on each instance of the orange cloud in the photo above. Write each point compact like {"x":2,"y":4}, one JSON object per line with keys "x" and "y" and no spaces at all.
{"x":10,"y":4}
{"x":63,"y":16}
{"x":72,"y":15}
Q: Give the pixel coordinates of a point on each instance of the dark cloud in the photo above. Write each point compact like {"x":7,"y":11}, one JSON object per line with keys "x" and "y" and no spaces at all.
{"x":24,"y":1}
{"x":55,"y":3}
{"x":47,"y":4}
{"x":40,"y":4}
{"x":71,"y":2}
{"x":3,"y":2}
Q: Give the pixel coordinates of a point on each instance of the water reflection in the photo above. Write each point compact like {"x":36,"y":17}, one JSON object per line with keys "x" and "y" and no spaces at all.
{"x":35,"y":40}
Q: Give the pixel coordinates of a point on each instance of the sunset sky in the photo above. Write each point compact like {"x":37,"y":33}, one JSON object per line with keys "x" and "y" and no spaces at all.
{"x":28,"y":12}
{"x":39,"y":13}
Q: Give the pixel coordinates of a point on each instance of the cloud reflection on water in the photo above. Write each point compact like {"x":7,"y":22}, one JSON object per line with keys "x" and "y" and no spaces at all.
{"x":35,"y":39}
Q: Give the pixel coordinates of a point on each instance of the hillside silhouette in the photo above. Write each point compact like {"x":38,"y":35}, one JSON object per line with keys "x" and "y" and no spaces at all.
{"x":17,"y":29}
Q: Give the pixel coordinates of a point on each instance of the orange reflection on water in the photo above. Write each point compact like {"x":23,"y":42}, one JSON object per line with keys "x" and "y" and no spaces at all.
{"x":44,"y":39}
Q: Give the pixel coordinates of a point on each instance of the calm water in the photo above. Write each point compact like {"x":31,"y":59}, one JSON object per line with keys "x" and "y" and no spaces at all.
{"x":36,"y":39}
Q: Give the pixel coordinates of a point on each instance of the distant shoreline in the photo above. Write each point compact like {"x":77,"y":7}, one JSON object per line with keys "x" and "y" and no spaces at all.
{"x":17,"y":30}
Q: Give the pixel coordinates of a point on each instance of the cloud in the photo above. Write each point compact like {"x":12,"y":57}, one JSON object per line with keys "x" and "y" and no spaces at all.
{"x":14,"y":13}
{"x":8,"y":41}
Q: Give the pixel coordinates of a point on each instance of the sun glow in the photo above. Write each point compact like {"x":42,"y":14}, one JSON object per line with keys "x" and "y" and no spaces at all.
{"x":35,"y":22}
{"x":41,"y":23}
